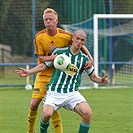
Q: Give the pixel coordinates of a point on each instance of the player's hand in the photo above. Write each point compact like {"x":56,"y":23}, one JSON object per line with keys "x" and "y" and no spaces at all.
{"x":88,"y":64}
{"x":22,"y":72}
{"x":105,"y":79}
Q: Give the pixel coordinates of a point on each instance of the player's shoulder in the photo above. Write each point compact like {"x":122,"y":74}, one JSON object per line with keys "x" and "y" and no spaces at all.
{"x":40,"y":32}
{"x":83,"y":55}
{"x":62,"y":31}
{"x":60,"y":50}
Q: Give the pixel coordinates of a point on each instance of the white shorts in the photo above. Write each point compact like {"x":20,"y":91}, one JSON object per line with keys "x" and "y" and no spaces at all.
{"x":66,"y":100}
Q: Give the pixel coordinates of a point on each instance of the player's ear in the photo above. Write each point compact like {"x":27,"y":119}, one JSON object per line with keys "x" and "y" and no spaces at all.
{"x":57,"y":21}
{"x":72,"y":37}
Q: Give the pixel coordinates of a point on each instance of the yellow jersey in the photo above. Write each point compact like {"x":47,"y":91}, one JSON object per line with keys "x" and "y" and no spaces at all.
{"x":45,"y":44}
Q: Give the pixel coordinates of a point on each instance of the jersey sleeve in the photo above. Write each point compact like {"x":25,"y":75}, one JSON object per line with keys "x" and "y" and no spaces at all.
{"x":39,"y":50}
{"x":55,"y":51}
{"x":89,"y":71}
{"x":48,"y":64}
{"x":59,"y":50}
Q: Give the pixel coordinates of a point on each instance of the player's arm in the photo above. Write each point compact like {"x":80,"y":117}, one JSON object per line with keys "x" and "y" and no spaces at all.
{"x":43,"y":58}
{"x":22,"y":72}
{"x":90,"y":62}
{"x":40,"y":52}
{"x":49,"y":58}
{"x":95,"y":78}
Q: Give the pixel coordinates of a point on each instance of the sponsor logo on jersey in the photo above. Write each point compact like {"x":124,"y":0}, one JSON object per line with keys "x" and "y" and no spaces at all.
{"x":71,"y":70}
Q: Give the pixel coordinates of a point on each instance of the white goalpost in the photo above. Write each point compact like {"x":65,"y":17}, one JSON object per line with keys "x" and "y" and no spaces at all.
{"x":100,"y":32}
{"x":96,"y":18}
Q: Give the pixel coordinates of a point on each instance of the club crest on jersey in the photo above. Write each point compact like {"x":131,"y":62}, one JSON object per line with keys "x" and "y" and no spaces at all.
{"x":71,"y":70}
{"x":79,"y":61}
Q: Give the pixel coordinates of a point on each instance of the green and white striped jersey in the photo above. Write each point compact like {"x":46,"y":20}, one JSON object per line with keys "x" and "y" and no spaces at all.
{"x":64,"y":83}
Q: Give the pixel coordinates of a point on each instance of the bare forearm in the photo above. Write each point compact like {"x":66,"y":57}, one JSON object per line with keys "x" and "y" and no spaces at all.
{"x":96,"y":78}
{"x":46,"y":58}
{"x":37,"y":69}
{"x":22,"y":72}
{"x":85,"y":50}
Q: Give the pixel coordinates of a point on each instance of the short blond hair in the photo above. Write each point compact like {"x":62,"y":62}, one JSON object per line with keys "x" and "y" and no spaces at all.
{"x":49,"y":10}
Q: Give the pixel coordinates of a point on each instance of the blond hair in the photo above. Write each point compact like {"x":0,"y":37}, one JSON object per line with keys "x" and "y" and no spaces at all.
{"x":49,"y":10}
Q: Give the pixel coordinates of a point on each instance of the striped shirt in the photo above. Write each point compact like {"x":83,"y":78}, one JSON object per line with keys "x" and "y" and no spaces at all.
{"x":64,"y":83}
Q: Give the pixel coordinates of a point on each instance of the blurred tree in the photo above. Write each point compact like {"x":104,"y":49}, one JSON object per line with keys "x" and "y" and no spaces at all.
{"x":1,"y":14}
{"x":17,"y":27}
{"x":125,"y":7}
{"x":16,"y":17}
{"x":74,"y":11}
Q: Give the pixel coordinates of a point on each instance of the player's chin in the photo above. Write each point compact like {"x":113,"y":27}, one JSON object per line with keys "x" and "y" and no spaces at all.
{"x":48,"y":27}
{"x":79,"y":46}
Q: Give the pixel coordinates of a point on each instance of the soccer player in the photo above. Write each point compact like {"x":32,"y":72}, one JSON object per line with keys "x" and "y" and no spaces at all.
{"x":45,"y":42}
{"x":62,"y":91}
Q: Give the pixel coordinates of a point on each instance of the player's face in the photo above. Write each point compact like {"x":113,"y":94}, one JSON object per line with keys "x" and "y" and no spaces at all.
{"x":50,"y":20}
{"x":78,"y":41}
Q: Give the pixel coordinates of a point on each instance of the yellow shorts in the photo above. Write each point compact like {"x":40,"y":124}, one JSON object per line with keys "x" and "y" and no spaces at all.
{"x":40,"y":86}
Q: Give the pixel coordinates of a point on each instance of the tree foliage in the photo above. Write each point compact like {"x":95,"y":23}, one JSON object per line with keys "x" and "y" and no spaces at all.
{"x":16,"y":18}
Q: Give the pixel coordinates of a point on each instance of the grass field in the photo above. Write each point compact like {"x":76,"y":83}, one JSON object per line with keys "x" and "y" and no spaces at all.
{"x":112,"y":111}
{"x":6,"y":76}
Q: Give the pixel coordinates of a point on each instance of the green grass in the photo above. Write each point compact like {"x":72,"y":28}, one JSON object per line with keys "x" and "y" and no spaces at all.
{"x":112,"y":111}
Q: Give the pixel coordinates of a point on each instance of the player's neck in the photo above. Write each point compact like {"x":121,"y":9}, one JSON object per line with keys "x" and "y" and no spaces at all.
{"x":74,"y":50}
{"x":52,"y":32}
